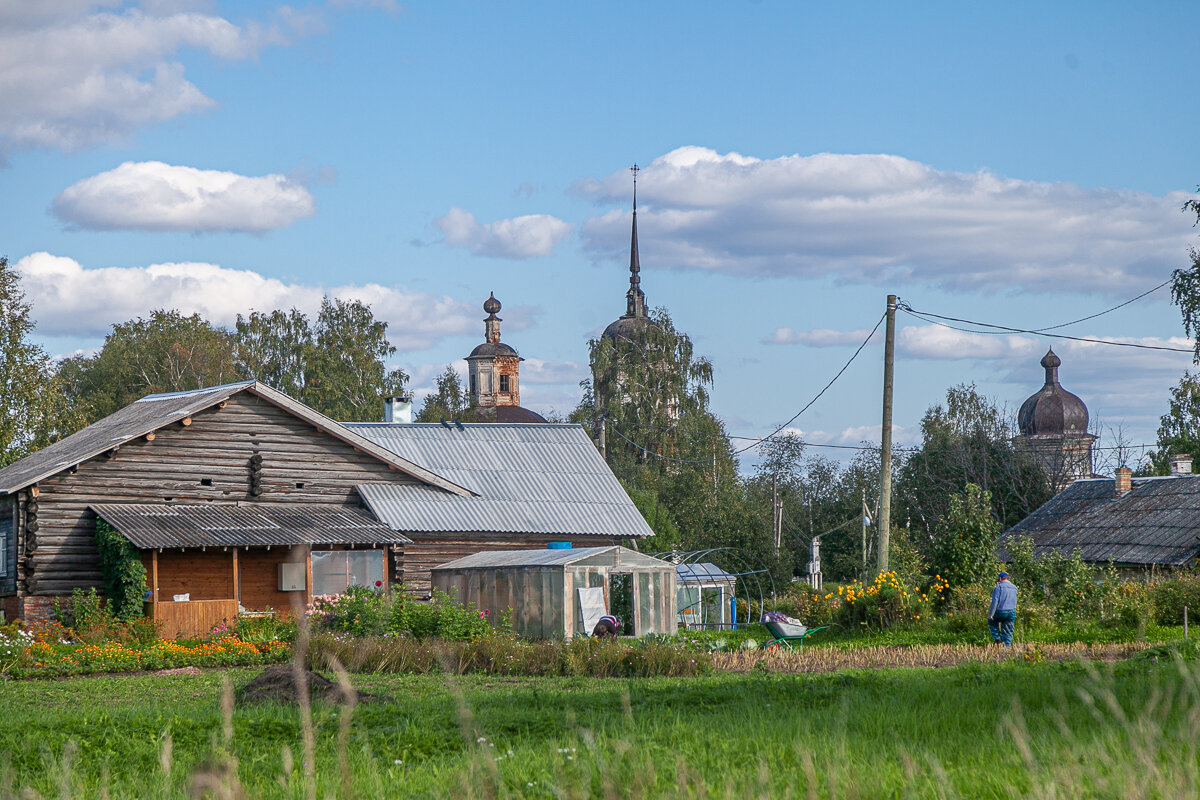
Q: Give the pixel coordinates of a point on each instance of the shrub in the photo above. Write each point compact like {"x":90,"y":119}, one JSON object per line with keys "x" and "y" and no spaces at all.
{"x":366,"y":612}
{"x":497,"y":655}
{"x":1171,"y":595}
{"x":124,"y":573}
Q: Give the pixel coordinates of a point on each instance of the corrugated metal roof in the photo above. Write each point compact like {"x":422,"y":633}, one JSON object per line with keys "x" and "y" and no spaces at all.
{"x":1156,"y":522}
{"x":258,"y":524}
{"x":593,"y":556}
{"x":156,"y":410}
{"x":528,"y":478}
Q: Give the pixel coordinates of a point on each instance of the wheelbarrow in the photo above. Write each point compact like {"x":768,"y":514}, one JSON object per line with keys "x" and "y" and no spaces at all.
{"x":786,"y":632}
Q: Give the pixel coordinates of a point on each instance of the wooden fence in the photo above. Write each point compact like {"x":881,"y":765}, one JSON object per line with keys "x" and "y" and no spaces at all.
{"x":193,"y":618}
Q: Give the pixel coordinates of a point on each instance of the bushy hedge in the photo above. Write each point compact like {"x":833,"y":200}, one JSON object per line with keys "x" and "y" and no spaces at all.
{"x":362,"y":611}
{"x":502,"y":655}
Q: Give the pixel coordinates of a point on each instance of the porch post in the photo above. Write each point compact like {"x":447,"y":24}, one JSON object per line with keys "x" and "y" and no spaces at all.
{"x":154,"y":584}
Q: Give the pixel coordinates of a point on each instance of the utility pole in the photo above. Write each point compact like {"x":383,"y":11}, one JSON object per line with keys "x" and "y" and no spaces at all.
{"x":885,"y":460}
{"x":865,"y":518}
{"x":775,"y":512}
{"x":603,"y":449}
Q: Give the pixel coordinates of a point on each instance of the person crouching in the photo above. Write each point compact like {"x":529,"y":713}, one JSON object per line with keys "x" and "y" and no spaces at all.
{"x":607,"y":627}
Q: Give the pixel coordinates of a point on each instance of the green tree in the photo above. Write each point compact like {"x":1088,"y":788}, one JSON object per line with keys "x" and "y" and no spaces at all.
{"x":166,"y":352}
{"x":1185,"y":287}
{"x":966,"y":538}
{"x":1179,"y":428}
{"x":968,"y":440}
{"x":347,"y":374}
{"x":449,"y":402}
{"x":645,"y":385}
{"x":34,"y":410}
{"x":275,"y":348}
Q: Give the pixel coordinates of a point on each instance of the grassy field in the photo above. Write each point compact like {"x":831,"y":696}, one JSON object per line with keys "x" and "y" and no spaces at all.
{"x":1011,"y":729}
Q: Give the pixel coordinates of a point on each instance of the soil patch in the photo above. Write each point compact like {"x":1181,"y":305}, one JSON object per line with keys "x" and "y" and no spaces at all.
{"x":278,"y":684}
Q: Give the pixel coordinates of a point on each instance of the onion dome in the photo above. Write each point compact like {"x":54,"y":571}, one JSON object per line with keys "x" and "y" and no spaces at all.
{"x":1053,"y":411}
{"x":491,"y":305}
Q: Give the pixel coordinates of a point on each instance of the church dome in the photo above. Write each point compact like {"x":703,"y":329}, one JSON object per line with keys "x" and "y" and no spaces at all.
{"x":1053,"y":411}
{"x":635,"y":320}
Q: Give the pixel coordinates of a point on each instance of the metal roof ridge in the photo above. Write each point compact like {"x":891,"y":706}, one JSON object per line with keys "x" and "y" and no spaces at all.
{"x":206,"y":390}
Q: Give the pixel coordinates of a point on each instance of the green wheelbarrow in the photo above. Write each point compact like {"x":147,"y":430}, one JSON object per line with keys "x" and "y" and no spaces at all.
{"x":786,"y":632}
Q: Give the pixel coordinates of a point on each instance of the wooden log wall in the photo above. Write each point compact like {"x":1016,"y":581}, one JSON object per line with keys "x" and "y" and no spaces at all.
{"x":428,"y":551}
{"x":207,"y":461}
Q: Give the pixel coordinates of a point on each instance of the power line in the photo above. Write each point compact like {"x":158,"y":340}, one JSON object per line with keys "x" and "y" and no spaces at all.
{"x":759,"y":441}
{"x":1003,"y":330}
{"x":1109,"y":310}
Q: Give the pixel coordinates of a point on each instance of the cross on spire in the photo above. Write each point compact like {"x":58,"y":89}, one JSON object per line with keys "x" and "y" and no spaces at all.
{"x":635,"y":169}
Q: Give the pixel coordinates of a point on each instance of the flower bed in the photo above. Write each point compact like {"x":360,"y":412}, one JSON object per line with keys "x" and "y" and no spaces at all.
{"x":23,"y":656}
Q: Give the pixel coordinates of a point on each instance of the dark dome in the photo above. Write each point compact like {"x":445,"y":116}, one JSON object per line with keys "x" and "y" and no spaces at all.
{"x":1053,"y":411}
{"x":491,"y":305}
{"x":490,"y":349}
{"x":628,"y":327}
{"x":508,"y":414}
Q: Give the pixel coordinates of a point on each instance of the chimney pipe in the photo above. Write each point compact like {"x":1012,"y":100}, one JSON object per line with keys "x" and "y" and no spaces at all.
{"x":1123,"y":482}
{"x":397,"y":409}
{"x":1181,"y":464}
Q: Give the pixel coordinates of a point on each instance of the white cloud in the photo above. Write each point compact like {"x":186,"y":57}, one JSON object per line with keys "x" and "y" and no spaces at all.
{"x":153,"y":196}
{"x":536,"y":370}
{"x":69,"y":300}
{"x":884,"y":218}
{"x":855,"y":435}
{"x":817,"y":337}
{"x":71,"y":76}
{"x":937,"y":342}
{"x":519,"y":237}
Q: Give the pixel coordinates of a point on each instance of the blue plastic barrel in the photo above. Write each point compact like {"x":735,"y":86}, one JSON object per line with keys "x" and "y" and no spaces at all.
{"x":558,"y":545}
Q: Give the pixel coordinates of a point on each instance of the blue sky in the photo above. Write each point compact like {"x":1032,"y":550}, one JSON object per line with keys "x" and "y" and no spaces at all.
{"x":1022,"y":165}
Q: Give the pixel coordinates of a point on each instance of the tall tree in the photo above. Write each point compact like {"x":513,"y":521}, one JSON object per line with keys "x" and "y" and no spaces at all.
{"x":650,"y":387}
{"x":347,"y":375}
{"x":1179,"y":428}
{"x":165,"y":352}
{"x":968,"y":440}
{"x":1185,"y":287}
{"x":34,"y":410}
{"x":275,"y":348}
{"x":449,"y":402}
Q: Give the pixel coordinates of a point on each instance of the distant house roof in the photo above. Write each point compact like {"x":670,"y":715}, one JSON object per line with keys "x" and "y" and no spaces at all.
{"x":1156,"y":522}
{"x":255,"y":524}
{"x":528,"y":478}
{"x":611,"y":556}
{"x":157,"y":410}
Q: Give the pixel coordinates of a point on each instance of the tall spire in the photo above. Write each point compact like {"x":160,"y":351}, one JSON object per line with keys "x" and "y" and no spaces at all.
{"x":635,"y":299}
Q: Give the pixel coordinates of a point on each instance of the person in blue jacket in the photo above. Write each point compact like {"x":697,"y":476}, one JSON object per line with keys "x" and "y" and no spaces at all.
{"x":1003,"y":611}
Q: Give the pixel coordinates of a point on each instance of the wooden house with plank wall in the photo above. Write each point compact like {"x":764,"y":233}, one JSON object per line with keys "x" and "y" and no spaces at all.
{"x":239,"y":499}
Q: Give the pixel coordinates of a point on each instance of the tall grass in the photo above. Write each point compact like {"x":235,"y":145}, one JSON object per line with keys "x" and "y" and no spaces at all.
{"x":980,"y":730}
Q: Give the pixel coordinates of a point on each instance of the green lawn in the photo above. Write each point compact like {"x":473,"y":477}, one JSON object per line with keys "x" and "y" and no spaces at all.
{"x":979,"y":731}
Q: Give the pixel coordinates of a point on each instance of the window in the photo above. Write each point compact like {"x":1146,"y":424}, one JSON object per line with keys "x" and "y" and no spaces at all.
{"x":474,"y":390}
{"x":335,"y":570}
{"x":6,"y":535}
{"x":505,"y":382}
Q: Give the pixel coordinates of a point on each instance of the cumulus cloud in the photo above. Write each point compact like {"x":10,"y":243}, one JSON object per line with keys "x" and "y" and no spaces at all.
{"x":536,"y":370}
{"x":71,"y":300}
{"x":855,"y":435}
{"x":72,"y":77}
{"x":153,"y":196}
{"x":817,"y":337}
{"x":519,"y":237}
{"x":1120,"y":385}
{"x":884,"y":218}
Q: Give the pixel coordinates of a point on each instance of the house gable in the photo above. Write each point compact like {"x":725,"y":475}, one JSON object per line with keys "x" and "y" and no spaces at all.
{"x":206,"y":460}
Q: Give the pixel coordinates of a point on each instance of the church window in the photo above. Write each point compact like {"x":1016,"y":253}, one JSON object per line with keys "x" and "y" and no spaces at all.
{"x":504,"y":383}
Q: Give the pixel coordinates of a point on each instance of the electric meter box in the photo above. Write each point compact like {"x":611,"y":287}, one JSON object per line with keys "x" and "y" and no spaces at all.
{"x":291,"y":577}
